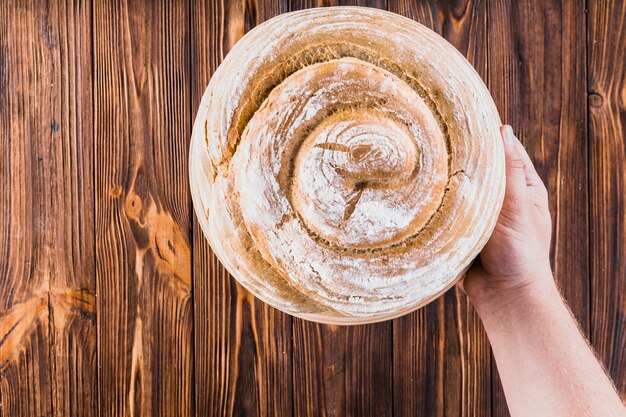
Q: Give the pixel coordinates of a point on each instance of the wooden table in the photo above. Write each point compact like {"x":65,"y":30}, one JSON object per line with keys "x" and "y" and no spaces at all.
{"x":111,"y":302}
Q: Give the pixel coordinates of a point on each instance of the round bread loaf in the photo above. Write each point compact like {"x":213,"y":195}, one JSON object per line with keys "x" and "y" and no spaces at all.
{"x":346,"y":164}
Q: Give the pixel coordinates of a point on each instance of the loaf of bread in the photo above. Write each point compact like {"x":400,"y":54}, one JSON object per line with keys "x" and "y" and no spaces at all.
{"x":346,"y":164}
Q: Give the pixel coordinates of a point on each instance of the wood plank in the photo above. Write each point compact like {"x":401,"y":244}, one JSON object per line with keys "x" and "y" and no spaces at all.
{"x":242,"y":346}
{"x":143,"y":208}
{"x":441,"y":353}
{"x":47,"y":304}
{"x":537,"y":78}
{"x":607,"y":186}
{"x":341,"y":370}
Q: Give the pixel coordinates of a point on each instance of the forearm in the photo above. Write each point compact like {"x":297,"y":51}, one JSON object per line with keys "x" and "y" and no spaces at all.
{"x":545,"y":364}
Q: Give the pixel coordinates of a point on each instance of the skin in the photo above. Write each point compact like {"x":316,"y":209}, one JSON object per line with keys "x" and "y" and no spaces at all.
{"x":546,"y":365}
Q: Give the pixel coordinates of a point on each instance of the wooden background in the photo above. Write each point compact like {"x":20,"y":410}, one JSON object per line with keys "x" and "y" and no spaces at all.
{"x":111,"y":302}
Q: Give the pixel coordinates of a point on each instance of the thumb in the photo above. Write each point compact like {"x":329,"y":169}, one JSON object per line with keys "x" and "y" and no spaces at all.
{"x":515,"y":190}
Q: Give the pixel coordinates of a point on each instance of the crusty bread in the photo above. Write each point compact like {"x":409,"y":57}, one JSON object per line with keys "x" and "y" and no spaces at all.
{"x":346,"y":164}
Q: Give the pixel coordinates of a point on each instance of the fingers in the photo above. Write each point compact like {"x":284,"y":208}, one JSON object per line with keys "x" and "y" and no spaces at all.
{"x":533,"y":180}
{"x":515,"y":190}
{"x":532,"y":177}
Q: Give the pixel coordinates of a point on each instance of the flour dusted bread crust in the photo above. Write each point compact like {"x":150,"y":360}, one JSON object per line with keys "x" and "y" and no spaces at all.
{"x":346,"y":164}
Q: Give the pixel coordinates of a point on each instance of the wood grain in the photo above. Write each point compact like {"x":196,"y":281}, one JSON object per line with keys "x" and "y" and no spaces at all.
{"x":47,"y":304}
{"x":242,"y":346}
{"x":342,"y":371}
{"x":606,"y":43}
{"x":142,"y":208}
{"x":446,"y":369}
{"x":112,"y":303}
{"x":537,"y":78}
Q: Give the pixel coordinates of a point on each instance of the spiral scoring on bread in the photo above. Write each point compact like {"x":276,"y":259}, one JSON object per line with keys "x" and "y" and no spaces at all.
{"x":362,"y":162}
{"x":338,"y":186}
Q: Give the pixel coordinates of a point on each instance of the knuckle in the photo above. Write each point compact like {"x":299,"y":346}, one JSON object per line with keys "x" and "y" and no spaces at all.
{"x":515,"y":163}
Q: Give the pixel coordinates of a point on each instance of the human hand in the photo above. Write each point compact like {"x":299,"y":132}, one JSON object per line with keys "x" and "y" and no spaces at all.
{"x":516,"y":256}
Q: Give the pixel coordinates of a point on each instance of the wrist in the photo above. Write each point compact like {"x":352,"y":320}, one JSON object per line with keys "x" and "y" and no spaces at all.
{"x":505,"y":305}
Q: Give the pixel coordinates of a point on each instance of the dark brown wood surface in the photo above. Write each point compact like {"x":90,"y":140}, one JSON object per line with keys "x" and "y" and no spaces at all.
{"x":141,"y":128}
{"x":111,"y":301}
{"x":48,"y":320}
{"x":606,"y":55}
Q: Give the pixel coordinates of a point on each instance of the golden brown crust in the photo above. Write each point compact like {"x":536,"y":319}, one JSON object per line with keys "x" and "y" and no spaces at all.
{"x":345,"y":164}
